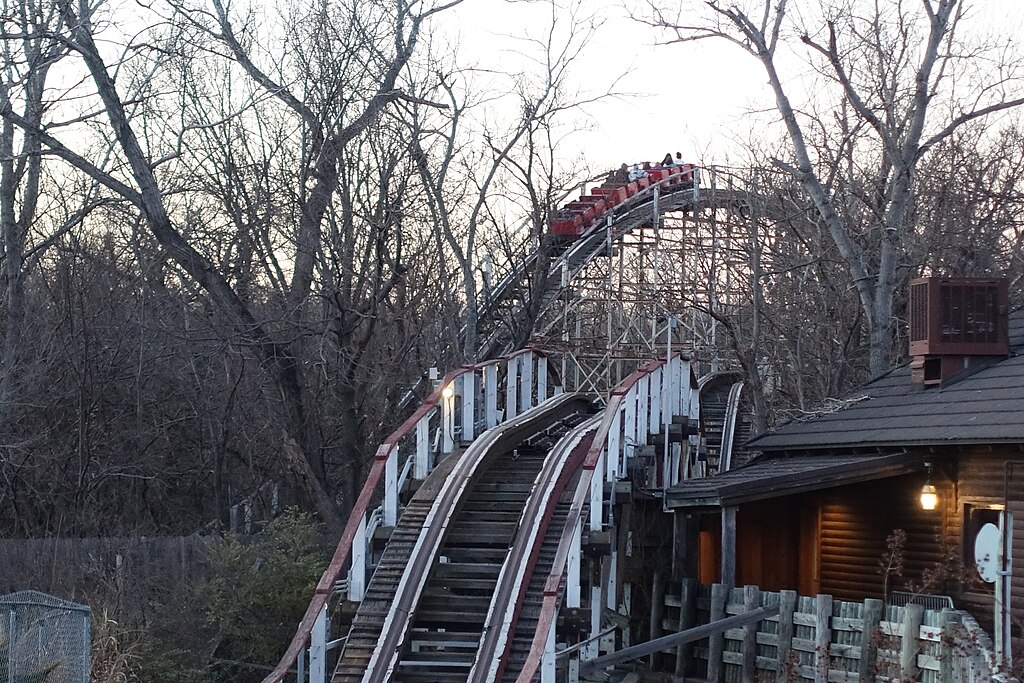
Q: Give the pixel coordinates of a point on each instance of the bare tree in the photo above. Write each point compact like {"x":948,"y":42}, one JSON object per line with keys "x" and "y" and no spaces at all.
{"x":903,"y":80}
{"x":373,"y":89}
{"x":478,"y":194}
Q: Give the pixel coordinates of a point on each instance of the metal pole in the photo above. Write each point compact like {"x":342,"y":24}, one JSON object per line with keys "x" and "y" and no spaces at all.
{"x":86,"y":643}
{"x":669,"y":380}
{"x":11,"y":621}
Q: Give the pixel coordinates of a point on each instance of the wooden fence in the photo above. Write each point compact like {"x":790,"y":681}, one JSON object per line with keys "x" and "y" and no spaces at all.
{"x":826,"y":640}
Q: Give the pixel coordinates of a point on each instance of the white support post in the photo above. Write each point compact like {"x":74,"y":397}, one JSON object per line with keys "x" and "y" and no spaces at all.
{"x":357,"y":577}
{"x":677,"y":449}
{"x":666,"y":467}
{"x":318,"y":648}
{"x":469,"y":406}
{"x":421,"y":466}
{"x":572,"y":572}
{"x":630,"y":427}
{"x":590,"y":651}
{"x":391,"y":488}
{"x":616,"y":463}
{"x":613,"y":575}
{"x":1002,"y":625}
{"x":643,"y":412}
{"x":677,"y":388}
{"x":687,"y":398}
{"x":542,"y":378}
{"x":672,"y":387}
{"x":448,"y":424}
{"x":491,"y":395}
{"x":1007,"y":576}
{"x":606,"y":644}
{"x":511,"y":386}
{"x":656,"y":400}
{"x":547,"y":662}
{"x":668,"y":403}
{"x":526,"y":383}
{"x":597,"y":495}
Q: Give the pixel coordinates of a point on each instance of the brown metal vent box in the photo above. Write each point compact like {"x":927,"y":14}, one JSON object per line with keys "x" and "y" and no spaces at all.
{"x":959,"y":316}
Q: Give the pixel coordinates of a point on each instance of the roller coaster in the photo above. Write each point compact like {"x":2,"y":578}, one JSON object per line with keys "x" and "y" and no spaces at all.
{"x":488,"y":542}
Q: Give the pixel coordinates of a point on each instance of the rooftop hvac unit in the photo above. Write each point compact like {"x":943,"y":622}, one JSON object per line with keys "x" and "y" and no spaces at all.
{"x":959,"y":317}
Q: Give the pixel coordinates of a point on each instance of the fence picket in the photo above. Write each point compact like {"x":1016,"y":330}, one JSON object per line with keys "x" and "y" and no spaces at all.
{"x":913,"y":616}
{"x":869,"y":638}
{"x":822,"y":637}
{"x":830,"y":641}
{"x":751,"y":601}
{"x":719,"y":595}
{"x":787,"y":605}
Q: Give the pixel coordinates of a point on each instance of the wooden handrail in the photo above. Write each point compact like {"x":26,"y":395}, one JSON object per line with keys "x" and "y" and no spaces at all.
{"x":341,"y":552}
{"x":513,"y":582}
{"x":549,"y":605}
{"x":673,"y":639}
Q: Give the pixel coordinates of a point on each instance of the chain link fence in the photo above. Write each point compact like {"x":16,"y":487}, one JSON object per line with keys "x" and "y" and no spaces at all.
{"x":43,"y":639}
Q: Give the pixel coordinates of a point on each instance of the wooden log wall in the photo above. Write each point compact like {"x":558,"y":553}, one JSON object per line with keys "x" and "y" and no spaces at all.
{"x":855,"y":523}
{"x":825,"y":640}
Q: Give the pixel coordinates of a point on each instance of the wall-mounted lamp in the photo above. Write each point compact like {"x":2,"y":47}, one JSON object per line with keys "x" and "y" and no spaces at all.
{"x":929,"y":496}
{"x":448,"y":391}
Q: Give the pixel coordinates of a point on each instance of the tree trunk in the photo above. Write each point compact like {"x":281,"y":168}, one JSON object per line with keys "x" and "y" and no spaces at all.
{"x":275,"y":358}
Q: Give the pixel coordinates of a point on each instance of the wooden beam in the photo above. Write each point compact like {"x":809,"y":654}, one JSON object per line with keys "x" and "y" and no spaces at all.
{"x":670,"y":641}
{"x":729,"y":546}
{"x":687,"y":619}
{"x":719,"y":596}
{"x":657,"y":607}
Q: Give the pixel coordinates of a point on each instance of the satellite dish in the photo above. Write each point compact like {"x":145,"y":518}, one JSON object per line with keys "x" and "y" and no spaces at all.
{"x":986,"y":552}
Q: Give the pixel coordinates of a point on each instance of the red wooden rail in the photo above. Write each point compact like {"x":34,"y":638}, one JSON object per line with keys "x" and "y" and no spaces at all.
{"x":590,"y":462}
{"x":341,"y":553}
{"x":572,"y":463}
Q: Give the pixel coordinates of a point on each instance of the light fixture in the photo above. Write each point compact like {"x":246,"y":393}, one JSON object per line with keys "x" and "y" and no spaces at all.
{"x":448,"y":391}
{"x":929,"y":496}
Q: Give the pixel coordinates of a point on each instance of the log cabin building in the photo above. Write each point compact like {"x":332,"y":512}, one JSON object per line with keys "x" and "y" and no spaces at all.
{"x":912,"y":486}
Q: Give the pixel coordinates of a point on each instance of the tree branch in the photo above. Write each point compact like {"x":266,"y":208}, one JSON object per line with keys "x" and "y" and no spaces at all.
{"x":964,"y":118}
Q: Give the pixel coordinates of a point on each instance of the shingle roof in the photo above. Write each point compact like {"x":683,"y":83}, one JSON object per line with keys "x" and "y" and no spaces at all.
{"x":985,"y":407}
{"x":784,"y":476}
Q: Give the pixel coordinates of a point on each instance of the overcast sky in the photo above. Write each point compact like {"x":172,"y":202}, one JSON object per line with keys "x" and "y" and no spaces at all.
{"x":691,"y":98}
